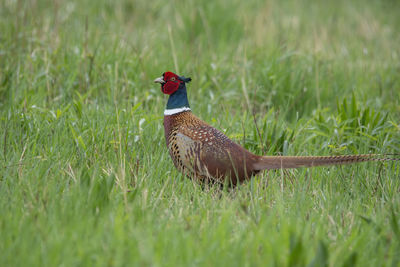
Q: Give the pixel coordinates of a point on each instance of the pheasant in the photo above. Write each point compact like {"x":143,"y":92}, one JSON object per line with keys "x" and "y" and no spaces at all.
{"x":206,"y":154}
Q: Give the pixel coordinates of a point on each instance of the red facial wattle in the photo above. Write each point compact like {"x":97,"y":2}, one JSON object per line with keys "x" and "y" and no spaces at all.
{"x":171,"y":84}
{"x":170,"y":87}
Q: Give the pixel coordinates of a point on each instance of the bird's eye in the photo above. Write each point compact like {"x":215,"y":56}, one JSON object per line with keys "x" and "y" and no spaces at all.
{"x":172,"y":79}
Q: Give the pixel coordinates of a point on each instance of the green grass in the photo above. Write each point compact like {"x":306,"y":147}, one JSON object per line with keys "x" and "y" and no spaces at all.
{"x":86,"y":178}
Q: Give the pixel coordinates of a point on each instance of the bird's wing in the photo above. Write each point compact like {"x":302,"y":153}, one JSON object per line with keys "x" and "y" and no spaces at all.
{"x":209,"y":150}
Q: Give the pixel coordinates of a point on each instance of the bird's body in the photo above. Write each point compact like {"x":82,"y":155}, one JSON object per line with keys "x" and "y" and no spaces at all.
{"x":203,"y":152}
{"x":206,"y":154}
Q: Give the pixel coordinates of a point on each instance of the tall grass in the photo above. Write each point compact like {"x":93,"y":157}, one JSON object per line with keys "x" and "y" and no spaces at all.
{"x":86,"y":178}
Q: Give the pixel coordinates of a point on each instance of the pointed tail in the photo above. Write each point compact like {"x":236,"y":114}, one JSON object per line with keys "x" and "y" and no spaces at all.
{"x":288,"y":162}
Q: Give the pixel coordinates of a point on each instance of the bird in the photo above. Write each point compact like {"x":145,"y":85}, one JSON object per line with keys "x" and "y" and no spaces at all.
{"x":206,"y":155}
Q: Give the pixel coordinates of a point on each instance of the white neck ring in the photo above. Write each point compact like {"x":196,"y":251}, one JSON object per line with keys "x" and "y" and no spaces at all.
{"x":175,"y":110}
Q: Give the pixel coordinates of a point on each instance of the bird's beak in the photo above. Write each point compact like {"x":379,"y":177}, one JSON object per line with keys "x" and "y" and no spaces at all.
{"x":159,"y":80}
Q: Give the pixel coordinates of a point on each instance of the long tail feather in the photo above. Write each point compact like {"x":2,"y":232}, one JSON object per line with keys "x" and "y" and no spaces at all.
{"x":288,"y":162}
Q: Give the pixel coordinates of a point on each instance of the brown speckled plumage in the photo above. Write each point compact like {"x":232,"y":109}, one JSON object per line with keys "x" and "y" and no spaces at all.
{"x":205,"y":154}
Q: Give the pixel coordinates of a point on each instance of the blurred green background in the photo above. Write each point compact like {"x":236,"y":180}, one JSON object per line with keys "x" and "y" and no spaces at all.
{"x":291,"y":55}
{"x":86,"y":178}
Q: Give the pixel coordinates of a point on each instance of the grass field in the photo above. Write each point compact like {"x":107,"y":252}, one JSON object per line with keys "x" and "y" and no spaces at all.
{"x":85,"y":176}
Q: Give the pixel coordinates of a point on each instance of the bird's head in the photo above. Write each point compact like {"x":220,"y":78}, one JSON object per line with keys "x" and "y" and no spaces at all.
{"x":170,"y":82}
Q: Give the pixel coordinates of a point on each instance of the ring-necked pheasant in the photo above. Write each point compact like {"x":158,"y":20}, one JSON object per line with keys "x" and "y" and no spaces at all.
{"x":204,"y":153}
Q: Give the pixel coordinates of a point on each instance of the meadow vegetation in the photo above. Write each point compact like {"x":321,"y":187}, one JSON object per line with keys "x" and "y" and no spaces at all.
{"x":86,"y":179}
